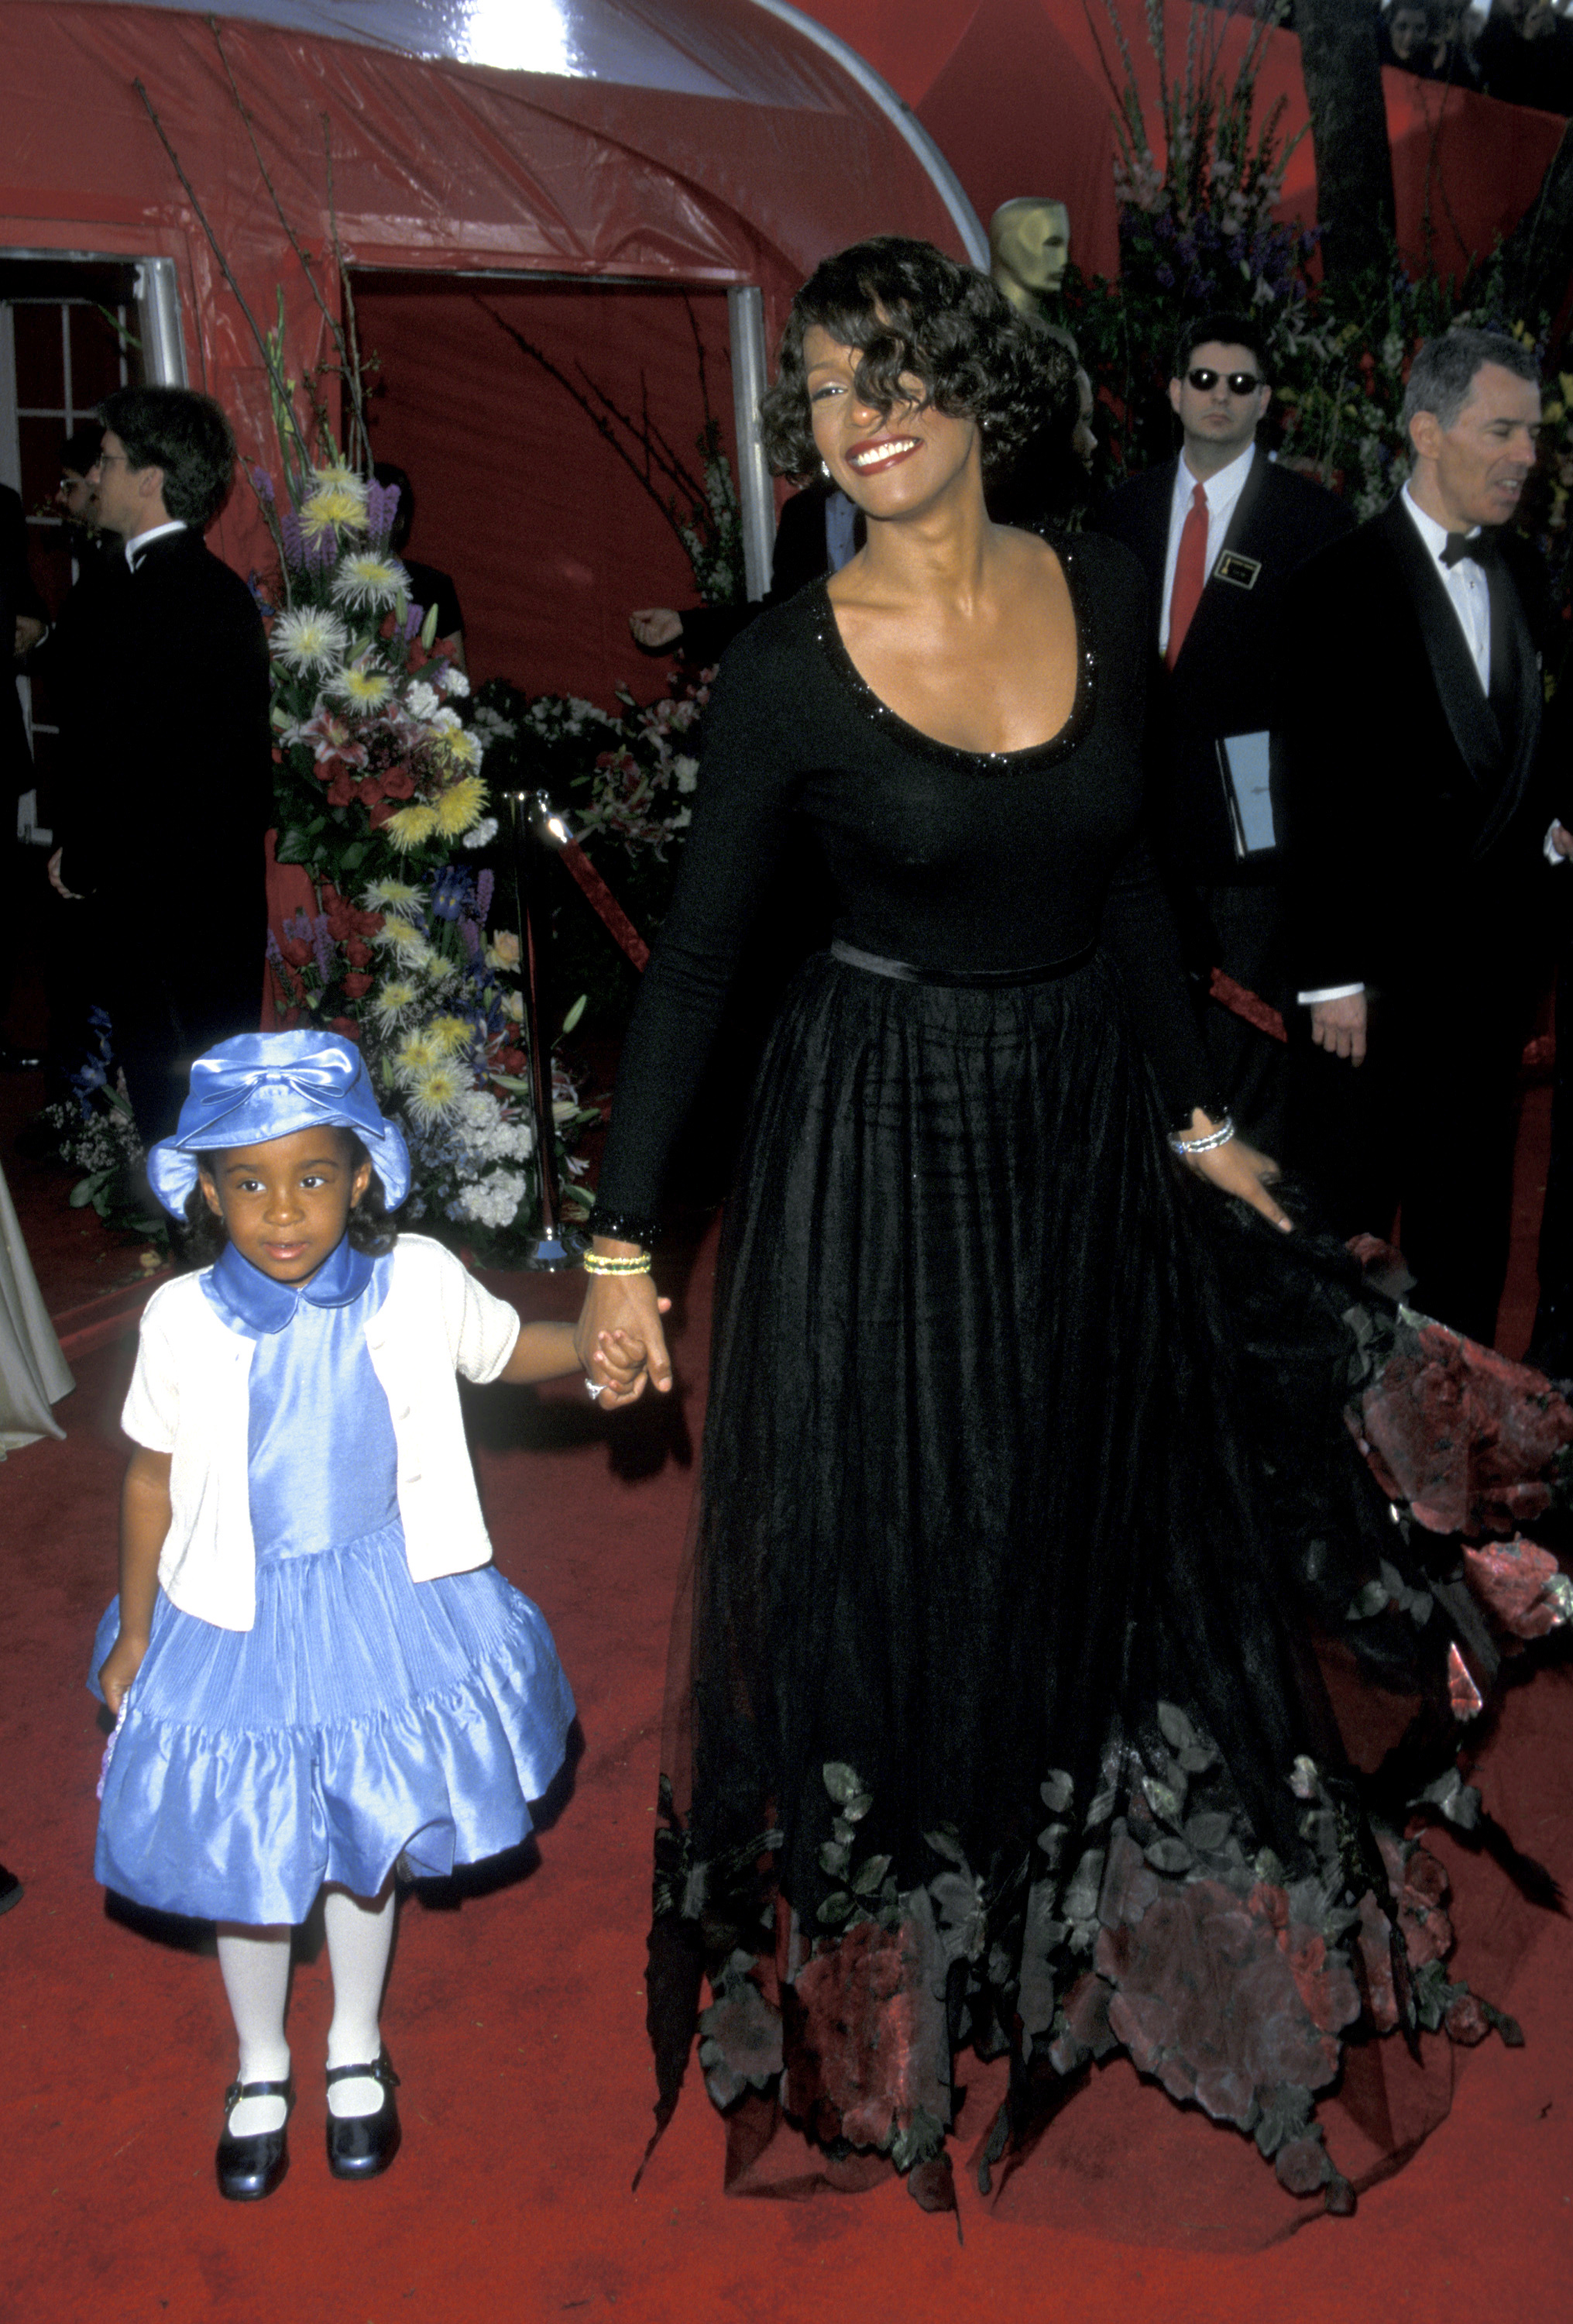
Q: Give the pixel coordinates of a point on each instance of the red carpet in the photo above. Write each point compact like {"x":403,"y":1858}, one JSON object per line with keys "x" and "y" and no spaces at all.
{"x":515,"y":2010}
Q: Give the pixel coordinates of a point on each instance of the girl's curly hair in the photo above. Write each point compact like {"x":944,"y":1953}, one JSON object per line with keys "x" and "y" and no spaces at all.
{"x":908,"y":310}
{"x":374,"y":1228}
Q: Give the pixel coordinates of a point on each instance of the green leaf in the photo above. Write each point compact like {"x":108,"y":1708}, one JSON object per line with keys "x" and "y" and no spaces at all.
{"x":869,"y":1875}
{"x":1178,"y":1733}
{"x":353,"y":856}
{"x":292,"y":845}
{"x":945,"y":1844}
{"x":834,"y":1858}
{"x":835,"y":1909}
{"x":857,"y":1808}
{"x":1168,"y":1855}
{"x":1057,"y":1792}
{"x":840,"y":1782}
{"x":87,"y":1189}
{"x":574,"y":1013}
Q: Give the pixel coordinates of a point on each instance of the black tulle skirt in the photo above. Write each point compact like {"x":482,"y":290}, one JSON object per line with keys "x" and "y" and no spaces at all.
{"x":993,"y":1717}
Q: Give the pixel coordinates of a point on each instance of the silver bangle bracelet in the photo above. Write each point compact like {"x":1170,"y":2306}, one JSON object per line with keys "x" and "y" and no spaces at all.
{"x":1186,"y":1147}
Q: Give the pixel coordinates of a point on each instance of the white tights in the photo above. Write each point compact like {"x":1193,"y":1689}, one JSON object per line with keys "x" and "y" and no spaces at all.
{"x":255,"y":1964}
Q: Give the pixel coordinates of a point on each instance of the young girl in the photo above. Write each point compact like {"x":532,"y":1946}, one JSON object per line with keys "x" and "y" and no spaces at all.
{"x":315,"y":1669}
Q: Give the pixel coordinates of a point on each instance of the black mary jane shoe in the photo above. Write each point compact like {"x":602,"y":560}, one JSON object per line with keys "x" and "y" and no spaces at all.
{"x":363,"y":2145}
{"x":251,"y":2168}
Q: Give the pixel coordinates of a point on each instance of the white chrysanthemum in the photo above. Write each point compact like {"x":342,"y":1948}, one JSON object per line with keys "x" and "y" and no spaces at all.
{"x":420,"y":699}
{"x":456,"y":683}
{"x":393,"y":999}
{"x":433,"y":1091}
{"x":686,"y":771}
{"x":363,"y":686}
{"x":395,"y":896}
{"x":480,"y":834}
{"x":308,"y":639}
{"x":369,"y":583}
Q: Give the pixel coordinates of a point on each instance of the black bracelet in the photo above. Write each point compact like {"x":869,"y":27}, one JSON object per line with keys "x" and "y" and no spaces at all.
{"x":625,"y":1226}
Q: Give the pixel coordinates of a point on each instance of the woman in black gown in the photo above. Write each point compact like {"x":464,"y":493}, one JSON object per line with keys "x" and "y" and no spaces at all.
{"x":988,"y":1716}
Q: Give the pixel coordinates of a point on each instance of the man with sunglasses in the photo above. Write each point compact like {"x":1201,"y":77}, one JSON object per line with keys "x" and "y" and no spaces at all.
{"x":1422,"y":796}
{"x":1219,"y":529}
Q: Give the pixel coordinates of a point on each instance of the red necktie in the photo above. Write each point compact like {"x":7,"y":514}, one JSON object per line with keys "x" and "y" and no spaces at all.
{"x":1189,"y":573}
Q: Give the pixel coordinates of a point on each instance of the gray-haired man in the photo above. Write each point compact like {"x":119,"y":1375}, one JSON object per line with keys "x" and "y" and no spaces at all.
{"x":1422,"y":807}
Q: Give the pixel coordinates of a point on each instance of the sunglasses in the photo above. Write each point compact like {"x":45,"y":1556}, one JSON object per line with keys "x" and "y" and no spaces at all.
{"x":1238,"y":383}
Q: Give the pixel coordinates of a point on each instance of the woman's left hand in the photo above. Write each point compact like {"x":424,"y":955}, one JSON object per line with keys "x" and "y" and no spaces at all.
{"x":1236,"y":1168}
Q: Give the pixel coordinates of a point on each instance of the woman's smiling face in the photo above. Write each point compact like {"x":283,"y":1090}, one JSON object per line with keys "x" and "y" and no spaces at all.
{"x":891,"y":464}
{"x":286,"y":1204}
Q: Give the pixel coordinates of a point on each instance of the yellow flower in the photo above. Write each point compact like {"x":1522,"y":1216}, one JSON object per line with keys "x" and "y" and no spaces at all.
{"x":363,"y":685}
{"x":393,"y":998}
{"x":455,"y":747}
{"x":410,"y":826}
{"x":400,"y":936}
{"x":460,"y":805}
{"x":416,"y":1052}
{"x":513,"y":1005}
{"x":450,"y":1034}
{"x":338,"y":497}
{"x":503,"y":951}
{"x":435,"y":1091}
{"x":396,"y":896}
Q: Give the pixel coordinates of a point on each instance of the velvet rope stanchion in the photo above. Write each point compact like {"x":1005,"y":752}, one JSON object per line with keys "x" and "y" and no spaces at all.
{"x":550,"y":1251}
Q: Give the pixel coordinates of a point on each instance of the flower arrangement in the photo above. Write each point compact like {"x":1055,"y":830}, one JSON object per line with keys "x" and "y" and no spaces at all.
{"x":379,"y":782}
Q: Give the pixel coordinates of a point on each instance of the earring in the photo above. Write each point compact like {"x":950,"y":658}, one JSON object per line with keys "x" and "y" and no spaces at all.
{"x":824,"y":470}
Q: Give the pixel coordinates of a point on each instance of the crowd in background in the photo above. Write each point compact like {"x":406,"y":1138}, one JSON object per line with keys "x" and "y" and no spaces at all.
{"x":1519,"y":51}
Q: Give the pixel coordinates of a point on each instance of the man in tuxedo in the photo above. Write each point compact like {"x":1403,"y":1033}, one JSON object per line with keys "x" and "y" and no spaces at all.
{"x":168,"y":755}
{"x":1423,"y":848}
{"x":818,"y":531}
{"x":1219,"y":529}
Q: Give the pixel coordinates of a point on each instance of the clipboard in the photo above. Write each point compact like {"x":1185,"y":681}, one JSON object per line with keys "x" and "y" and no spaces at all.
{"x":1246,"y":766}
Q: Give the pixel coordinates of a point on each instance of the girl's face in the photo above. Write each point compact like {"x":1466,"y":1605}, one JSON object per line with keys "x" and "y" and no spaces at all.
{"x":893,"y":465}
{"x":286,"y":1204}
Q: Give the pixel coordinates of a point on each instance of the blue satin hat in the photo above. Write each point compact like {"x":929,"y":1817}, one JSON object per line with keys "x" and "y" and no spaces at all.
{"x":264,"y":1085}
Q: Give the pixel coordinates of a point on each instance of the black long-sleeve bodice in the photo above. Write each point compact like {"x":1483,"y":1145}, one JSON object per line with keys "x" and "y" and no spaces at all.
{"x":941,"y":858}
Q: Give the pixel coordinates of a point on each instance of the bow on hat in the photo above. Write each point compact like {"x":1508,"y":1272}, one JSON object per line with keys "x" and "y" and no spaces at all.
{"x":260,"y":1087}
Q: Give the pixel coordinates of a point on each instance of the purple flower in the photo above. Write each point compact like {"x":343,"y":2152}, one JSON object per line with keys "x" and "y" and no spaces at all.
{"x":263,"y":486}
{"x":293,"y":538}
{"x":322,"y":946}
{"x":472,"y":936}
{"x":275,"y":957}
{"x":483,"y":887}
{"x":412,"y":621}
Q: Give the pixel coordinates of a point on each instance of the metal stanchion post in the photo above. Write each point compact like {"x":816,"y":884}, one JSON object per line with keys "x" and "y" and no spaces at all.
{"x":549,"y":1252}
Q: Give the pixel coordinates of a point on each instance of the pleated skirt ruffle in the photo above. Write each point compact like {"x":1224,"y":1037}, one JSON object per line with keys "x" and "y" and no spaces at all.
{"x":363,"y":1716}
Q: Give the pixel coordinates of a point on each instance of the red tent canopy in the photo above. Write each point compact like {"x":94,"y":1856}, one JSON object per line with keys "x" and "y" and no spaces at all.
{"x":708,"y":146}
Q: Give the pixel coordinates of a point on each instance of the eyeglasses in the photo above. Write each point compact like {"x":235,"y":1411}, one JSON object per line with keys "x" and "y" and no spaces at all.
{"x":107,"y":459}
{"x":1238,"y":383}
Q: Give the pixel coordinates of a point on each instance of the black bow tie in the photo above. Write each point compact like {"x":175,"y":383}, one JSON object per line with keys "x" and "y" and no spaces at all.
{"x":1458,"y":546}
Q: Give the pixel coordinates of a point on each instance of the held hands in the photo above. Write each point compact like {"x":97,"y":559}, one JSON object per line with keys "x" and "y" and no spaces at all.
{"x":1339,"y":1026}
{"x":119,"y":1667}
{"x":618,"y":1364}
{"x":1236,"y":1168}
{"x":619,"y":1335}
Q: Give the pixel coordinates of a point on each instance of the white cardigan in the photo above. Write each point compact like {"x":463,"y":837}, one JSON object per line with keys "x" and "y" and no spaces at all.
{"x":189,"y":1397}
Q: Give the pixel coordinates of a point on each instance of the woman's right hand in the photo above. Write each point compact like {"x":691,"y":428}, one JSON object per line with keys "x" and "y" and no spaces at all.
{"x":623,"y":1303}
{"x":119,"y":1667}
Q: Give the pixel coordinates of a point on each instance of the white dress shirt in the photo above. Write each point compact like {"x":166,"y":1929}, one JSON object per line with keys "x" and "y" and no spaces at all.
{"x":134,"y":548}
{"x":1223,"y":491}
{"x":1465,"y":583}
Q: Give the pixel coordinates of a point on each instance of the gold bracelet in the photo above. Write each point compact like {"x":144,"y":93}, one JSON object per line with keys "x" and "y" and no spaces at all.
{"x":595,"y":1265}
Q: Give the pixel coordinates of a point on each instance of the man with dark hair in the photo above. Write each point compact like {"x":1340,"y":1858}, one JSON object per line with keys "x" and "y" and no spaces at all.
{"x":1421,"y":804}
{"x":1219,"y":529}
{"x":428,"y":585}
{"x":168,"y":755}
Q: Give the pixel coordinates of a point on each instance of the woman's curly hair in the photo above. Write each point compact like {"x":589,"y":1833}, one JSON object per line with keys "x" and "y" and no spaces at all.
{"x":374,"y":1228}
{"x":908,"y":310}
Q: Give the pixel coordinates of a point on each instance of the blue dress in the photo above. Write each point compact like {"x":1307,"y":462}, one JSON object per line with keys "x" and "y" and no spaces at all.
{"x":365,"y":1715}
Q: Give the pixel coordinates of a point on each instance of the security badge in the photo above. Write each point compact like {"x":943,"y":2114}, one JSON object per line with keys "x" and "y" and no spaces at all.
{"x":1245,"y":572}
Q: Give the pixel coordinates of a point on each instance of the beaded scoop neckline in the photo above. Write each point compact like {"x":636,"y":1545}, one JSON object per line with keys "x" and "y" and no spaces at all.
{"x":1036,"y":755}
